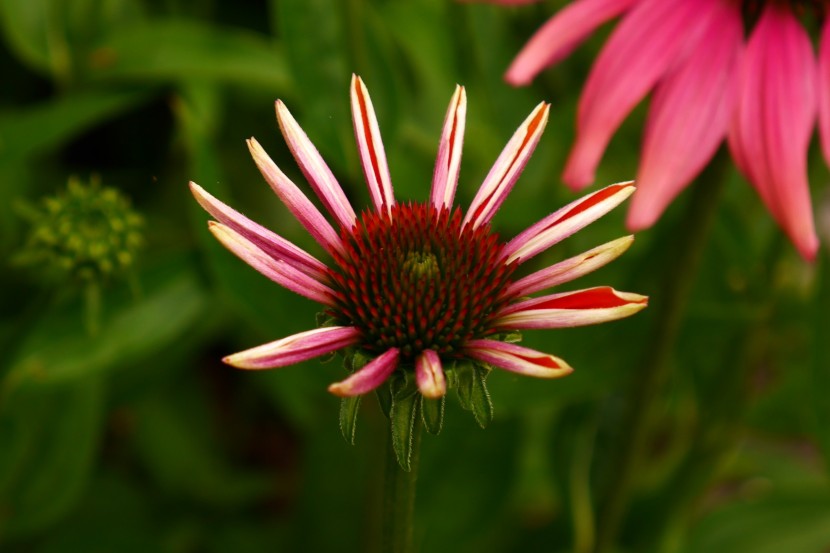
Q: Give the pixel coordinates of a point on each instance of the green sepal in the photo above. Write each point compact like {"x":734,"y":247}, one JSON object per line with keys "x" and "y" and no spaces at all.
{"x":464,"y":383}
{"x":349,"y":407}
{"x":324,"y":319}
{"x":406,"y":402}
{"x":510,"y":337}
{"x":432,"y":412}
{"x":384,"y":395}
{"x":482,"y":406}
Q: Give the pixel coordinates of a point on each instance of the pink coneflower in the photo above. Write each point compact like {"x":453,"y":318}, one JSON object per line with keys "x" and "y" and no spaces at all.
{"x":763,"y":95}
{"x":418,"y":286}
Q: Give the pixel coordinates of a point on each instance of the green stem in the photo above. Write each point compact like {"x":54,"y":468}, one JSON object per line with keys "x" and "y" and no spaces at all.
{"x":686,"y":249}
{"x":399,"y":496}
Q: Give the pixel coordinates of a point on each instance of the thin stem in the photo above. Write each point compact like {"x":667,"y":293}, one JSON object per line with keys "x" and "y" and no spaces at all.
{"x":399,"y":497}
{"x":687,"y":247}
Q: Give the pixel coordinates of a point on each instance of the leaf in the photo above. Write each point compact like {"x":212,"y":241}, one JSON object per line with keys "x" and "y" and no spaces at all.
{"x":173,"y":50}
{"x":795,"y":522}
{"x":320,"y":67}
{"x":27,"y":132}
{"x":465,"y":381}
{"x":48,"y":437}
{"x":59,"y":350}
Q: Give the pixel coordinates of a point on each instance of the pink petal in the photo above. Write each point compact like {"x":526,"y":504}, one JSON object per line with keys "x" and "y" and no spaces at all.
{"x":569,"y":269}
{"x":370,"y":146}
{"x":772,"y":127}
{"x":284,"y":274}
{"x":269,"y":242}
{"x":372,"y":375}
{"x":560,"y":35}
{"x":517,"y":359}
{"x":430,"y":375}
{"x":448,"y":162}
{"x":688,"y":118}
{"x":582,"y":307}
{"x":316,"y":172}
{"x":652,"y":37}
{"x":296,"y":202}
{"x":508,"y":167}
{"x":564,"y":222}
{"x":294,"y":349}
{"x":824,"y":90}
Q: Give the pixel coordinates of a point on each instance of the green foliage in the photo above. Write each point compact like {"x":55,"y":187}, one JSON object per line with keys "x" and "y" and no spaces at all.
{"x":137,"y":437}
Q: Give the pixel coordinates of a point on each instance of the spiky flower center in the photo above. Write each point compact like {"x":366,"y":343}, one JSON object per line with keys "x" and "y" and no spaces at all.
{"x":418,"y":279}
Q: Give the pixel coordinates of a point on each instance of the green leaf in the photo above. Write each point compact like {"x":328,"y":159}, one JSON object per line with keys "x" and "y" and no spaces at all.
{"x":794,"y":522}
{"x":480,"y":401}
{"x":48,"y":437}
{"x":402,"y":417}
{"x":320,"y":67}
{"x":31,"y":131}
{"x":59,"y":350}
{"x":349,"y":407}
{"x":173,"y":50}
{"x":432,"y":412}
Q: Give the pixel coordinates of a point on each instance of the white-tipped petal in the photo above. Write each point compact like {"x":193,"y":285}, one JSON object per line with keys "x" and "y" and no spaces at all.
{"x":508,"y":167}
{"x":296,"y":202}
{"x":370,"y":147}
{"x":268,"y":241}
{"x":517,"y":359}
{"x":571,"y":268}
{"x":294,"y":349}
{"x":564,"y":222}
{"x":429,"y":375}
{"x":372,"y":375}
{"x":578,"y":308}
{"x":448,"y":162}
{"x":280,"y":272}
{"x":316,"y":172}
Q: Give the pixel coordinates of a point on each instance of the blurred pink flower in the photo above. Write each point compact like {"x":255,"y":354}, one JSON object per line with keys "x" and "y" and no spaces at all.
{"x":762,"y":94}
{"x":415,"y":286}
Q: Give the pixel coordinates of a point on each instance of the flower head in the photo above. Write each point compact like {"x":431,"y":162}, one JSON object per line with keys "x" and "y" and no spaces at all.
{"x":419,"y":289}
{"x":87,"y":233}
{"x":708,"y":83}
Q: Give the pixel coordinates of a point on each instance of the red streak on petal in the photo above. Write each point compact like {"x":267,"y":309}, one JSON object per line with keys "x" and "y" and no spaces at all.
{"x":592,"y":201}
{"x":544,"y":361}
{"x":530,"y":130}
{"x":367,"y":132}
{"x":596,"y":298}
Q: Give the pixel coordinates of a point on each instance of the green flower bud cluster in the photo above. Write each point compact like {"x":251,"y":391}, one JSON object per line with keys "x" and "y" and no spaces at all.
{"x":88,"y":232}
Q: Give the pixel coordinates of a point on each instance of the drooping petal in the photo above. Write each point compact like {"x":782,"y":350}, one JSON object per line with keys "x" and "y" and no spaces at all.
{"x":370,"y":146}
{"x":280,"y":272}
{"x":564,"y":222}
{"x":688,"y":117}
{"x":294,"y":349}
{"x":517,"y":359}
{"x":824,"y":90}
{"x":268,"y":241}
{"x":316,"y":172}
{"x":579,"y":308}
{"x":776,"y":110}
{"x":448,"y":162}
{"x":560,"y":35}
{"x":429,"y":375}
{"x":652,"y":37}
{"x":570,"y":269}
{"x":372,"y":375}
{"x":296,"y":202}
{"x":508,"y":167}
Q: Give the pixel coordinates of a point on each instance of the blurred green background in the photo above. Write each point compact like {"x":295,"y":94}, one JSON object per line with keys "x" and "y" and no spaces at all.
{"x":136,"y":438}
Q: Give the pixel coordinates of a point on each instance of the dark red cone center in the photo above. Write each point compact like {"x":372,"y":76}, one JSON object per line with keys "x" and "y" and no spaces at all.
{"x":416,"y":280}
